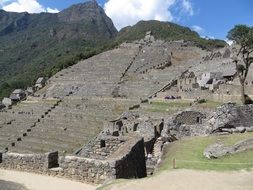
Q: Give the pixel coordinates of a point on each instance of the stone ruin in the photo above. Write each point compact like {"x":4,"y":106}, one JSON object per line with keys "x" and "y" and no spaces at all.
{"x":123,"y":158}
{"x":183,"y":124}
{"x":226,"y":119}
{"x":117,"y":131}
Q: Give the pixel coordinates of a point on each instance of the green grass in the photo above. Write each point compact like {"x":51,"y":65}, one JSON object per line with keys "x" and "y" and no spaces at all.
{"x":173,"y":106}
{"x":209,"y":104}
{"x":189,"y":154}
{"x":166,"y":106}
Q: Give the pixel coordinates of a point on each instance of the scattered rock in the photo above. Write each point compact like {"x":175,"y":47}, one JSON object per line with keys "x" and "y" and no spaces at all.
{"x":215,"y":151}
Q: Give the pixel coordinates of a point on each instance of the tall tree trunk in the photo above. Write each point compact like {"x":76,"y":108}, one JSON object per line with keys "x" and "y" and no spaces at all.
{"x":243,"y":93}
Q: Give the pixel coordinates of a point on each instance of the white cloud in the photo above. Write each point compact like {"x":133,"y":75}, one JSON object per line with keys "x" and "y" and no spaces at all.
{"x":31,"y":6}
{"x":50,"y":10}
{"x":197,"y":29}
{"x":129,"y":12}
{"x":229,"y":42}
{"x":187,"y":7}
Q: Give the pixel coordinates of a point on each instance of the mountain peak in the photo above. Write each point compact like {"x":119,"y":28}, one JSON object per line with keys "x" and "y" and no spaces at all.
{"x":81,"y":11}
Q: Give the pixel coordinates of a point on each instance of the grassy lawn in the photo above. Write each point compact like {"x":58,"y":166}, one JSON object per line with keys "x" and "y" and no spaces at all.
{"x":189,"y":154}
{"x":166,"y":106}
{"x":173,"y":106}
{"x":209,"y":104}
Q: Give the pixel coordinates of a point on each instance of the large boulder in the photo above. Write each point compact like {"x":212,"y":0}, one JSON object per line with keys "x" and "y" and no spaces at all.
{"x":230,"y":118}
{"x":216,"y":151}
{"x":219,"y":150}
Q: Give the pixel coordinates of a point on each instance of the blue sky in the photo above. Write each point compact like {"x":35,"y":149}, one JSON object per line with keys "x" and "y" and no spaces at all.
{"x":211,"y":18}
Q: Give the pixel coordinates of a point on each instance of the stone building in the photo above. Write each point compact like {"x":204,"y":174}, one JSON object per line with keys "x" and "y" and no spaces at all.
{"x":189,"y":118}
{"x":187,"y":81}
{"x":185,"y":124}
{"x":227,"y":53}
{"x":7,"y":102}
{"x":229,"y":74}
{"x":131,"y":124}
{"x":40,"y":83}
{"x":17,"y":95}
{"x":149,"y":37}
{"x":210,"y":80}
{"x":2,"y":106}
{"x":30,"y":90}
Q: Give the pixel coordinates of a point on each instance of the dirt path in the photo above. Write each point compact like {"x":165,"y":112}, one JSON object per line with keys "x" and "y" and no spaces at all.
{"x":192,"y":180}
{"x":39,"y":182}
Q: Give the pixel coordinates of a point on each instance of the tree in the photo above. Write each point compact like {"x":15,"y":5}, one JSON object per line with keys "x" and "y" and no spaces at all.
{"x":242,"y":35}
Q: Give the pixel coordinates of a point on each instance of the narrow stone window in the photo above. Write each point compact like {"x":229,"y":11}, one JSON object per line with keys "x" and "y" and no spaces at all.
{"x":102,"y":144}
{"x":135,"y":127}
{"x":198,"y":120}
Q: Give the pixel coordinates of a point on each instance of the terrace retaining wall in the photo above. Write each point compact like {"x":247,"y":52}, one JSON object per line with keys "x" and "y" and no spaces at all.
{"x":127,"y":162}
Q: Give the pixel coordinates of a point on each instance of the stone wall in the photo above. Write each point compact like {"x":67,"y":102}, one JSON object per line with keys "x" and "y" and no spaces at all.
{"x":127,"y":162}
{"x":190,"y":118}
{"x":102,"y":147}
{"x":86,"y":170}
{"x":235,"y":89}
{"x":133,"y":164}
{"x":38,"y":163}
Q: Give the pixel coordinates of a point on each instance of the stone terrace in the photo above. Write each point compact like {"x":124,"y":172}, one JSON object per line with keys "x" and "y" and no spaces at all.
{"x":96,"y":76}
{"x":16,"y":123}
{"x":74,"y":122}
{"x":154,"y":68}
{"x":83,"y":96}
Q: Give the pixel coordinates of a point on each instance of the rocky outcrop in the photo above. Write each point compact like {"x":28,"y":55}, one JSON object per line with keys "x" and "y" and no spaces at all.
{"x":230,"y":118}
{"x":91,"y":14}
{"x":219,"y":150}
